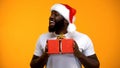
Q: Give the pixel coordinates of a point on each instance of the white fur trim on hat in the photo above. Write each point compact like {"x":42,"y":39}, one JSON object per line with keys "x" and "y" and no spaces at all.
{"x":71,"y":28}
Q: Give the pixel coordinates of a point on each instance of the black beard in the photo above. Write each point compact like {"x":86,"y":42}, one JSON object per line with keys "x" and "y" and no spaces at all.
{"x":51,"y":28}
{"x":58,"y":26}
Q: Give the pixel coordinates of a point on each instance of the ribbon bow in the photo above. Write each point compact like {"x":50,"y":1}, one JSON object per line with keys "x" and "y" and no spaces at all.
{"x":61,"y":36}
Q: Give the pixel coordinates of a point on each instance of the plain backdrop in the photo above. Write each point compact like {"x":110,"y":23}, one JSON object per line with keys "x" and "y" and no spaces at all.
{"x":23,"y":21}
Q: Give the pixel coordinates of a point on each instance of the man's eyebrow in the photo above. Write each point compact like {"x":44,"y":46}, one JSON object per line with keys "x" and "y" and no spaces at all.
{"x":55,"y":12}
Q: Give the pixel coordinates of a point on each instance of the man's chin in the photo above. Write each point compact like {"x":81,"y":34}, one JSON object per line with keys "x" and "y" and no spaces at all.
{"x":51,"y":29}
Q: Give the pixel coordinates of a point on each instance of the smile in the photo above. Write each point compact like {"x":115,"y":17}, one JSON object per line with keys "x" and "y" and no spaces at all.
{"x":51,"y":23}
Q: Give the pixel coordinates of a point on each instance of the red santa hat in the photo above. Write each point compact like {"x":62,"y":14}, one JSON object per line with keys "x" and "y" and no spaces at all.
{"x":68,"y":13}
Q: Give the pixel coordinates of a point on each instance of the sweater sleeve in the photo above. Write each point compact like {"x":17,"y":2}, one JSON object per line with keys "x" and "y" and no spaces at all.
{"x":89,"y":48}
{"x":38,"y":50}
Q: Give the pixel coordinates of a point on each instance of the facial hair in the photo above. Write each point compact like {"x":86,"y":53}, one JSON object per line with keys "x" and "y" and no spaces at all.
{"x":51,"y":28}
{"x":59,"y":25}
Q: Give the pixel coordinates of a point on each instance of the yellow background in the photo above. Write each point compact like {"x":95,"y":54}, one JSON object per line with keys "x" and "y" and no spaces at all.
{"x":22,"y":21}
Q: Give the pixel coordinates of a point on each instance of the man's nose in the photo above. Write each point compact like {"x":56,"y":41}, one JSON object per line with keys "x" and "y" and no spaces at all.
{"x":52,"y":16}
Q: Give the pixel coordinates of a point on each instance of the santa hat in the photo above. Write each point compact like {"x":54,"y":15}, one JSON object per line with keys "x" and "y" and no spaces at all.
{"x":68,"y":13}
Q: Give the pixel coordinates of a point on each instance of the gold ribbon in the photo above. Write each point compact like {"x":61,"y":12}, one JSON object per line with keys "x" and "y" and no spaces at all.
{"x":61,"y":36}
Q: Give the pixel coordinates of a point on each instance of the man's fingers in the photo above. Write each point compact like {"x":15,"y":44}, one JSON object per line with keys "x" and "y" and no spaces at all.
{"x":75,"y":45}
{"x":46,"y":48}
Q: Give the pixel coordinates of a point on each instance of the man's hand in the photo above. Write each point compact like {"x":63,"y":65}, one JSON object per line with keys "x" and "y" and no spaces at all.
{"x":87,"y":61}
{"x":46,"y":49}
{"x":40,"y":61}
{"x":77,"y":53}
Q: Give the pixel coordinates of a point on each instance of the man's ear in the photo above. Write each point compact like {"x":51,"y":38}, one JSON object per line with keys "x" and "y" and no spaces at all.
{"x":66,"y":22}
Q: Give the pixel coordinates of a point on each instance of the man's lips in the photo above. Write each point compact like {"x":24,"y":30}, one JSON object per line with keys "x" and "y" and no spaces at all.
{"x":51,"y":23}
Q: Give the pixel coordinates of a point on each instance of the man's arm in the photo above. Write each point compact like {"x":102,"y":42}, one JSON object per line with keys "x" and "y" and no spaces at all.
{"x":87,"y":61}
{"x":39,"y":62}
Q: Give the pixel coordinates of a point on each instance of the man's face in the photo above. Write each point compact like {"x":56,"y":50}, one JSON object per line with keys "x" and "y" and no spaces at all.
{"x":56,"y":22}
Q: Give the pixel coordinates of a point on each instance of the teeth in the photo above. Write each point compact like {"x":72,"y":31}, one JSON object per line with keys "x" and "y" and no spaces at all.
{"x":51,"y":21}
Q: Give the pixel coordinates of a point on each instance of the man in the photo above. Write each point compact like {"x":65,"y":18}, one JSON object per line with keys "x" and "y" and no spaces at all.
{"x":61,"y":21}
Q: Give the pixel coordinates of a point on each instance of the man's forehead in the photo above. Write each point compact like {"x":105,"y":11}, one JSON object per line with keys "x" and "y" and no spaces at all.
{"x":56,"y":12}
{"x":53,"y":11}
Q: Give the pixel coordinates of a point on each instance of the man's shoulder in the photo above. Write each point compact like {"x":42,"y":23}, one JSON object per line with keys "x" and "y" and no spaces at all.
{"x":79,"y":35}
{"x":46,"y":35}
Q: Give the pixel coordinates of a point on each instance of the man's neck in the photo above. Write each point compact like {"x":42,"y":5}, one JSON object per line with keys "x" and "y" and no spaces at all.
{"x":61,"y":32}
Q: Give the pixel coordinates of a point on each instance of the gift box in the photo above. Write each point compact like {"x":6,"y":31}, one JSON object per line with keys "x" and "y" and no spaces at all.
{"x":53,"y":46}
{"x":63,"y":46}
{"x":67,"y":45}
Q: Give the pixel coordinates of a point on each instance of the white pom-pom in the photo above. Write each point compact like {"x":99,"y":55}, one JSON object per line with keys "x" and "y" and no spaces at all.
{"x":71,"y":28}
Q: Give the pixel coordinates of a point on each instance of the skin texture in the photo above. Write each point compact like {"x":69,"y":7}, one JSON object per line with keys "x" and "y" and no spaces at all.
{"x":59,"y":25}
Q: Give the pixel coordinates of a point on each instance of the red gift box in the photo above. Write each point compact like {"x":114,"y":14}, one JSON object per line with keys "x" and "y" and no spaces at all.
{"x":57,"y":46}
{"x":67,"y":45}
{"x":53,"y":46}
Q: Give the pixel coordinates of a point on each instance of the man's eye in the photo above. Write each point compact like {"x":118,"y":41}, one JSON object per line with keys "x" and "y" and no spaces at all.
{"x":56,"y":14}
